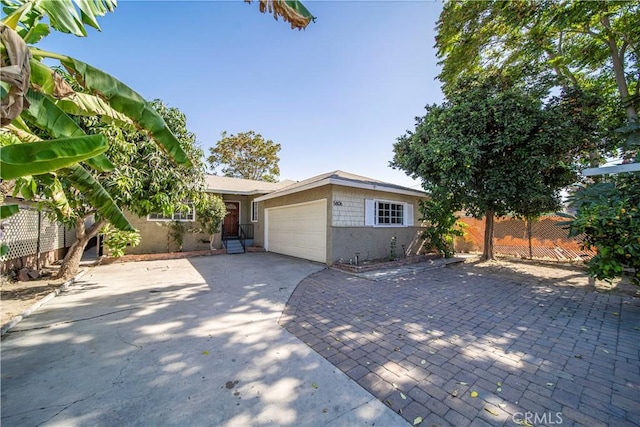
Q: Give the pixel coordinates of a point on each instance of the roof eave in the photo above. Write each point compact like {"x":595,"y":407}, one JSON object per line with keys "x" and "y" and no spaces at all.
{"x":344,"y":183}
{"x":239,"y":193}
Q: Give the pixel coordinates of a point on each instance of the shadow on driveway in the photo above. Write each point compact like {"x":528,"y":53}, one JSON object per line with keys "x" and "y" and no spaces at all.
{"x":177,"y":342}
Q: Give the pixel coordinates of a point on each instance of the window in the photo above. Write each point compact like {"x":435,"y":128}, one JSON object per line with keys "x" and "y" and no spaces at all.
{"x":182,"y":216}
{"x":254,"y":211}
{"x":387,"y":213}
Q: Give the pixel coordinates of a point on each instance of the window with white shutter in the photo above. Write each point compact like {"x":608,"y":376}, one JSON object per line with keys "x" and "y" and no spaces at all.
{"x":387,"y":213}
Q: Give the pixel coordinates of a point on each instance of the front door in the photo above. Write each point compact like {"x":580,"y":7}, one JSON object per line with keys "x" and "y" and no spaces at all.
{"x":232,"y":219}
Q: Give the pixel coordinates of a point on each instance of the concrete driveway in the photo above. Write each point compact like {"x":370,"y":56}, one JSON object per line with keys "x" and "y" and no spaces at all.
{"x":180,"y":342}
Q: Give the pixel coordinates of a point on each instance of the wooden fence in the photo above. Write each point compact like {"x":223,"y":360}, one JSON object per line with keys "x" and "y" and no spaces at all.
{"x":548,"y":239}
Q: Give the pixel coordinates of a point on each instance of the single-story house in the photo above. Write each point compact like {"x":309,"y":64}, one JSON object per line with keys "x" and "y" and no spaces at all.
{"x":330,"y":218}
{"x":238,"y":195}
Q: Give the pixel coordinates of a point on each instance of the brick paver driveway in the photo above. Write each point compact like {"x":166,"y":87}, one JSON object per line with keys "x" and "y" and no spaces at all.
{"x":425,"y":344}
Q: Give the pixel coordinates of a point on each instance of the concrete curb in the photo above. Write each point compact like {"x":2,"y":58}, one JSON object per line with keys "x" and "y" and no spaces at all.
{"x":17,"y":319}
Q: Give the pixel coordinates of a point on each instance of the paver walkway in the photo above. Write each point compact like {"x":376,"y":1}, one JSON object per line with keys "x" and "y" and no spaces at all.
{"x":423,"y":343}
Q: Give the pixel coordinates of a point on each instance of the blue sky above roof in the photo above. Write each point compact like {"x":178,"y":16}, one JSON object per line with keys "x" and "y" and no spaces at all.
{"x":336,"y":96}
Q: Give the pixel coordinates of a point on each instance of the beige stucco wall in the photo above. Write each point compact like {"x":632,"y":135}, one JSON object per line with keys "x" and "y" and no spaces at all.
{"x":373,"y":243}
{"x":154,"y":237}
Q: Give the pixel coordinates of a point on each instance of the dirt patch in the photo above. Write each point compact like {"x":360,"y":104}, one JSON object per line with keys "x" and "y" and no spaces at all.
{"x":549,"y":273}
{"x":16,"y":297}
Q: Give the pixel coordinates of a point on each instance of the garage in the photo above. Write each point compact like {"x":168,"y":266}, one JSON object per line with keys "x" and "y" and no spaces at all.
{"x":298,"y":230}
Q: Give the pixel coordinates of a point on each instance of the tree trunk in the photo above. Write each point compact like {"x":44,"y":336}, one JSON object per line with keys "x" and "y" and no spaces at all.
{"x":619,"y":74}
{"x":71,"y":262}
{"x":211,"y":245}
{"x":487,"y":252}
{"x":529,"y":238}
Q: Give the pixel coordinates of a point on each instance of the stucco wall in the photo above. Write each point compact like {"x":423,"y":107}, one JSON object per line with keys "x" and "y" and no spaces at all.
{"x":154,"y":237}
{"x":373,"y":243}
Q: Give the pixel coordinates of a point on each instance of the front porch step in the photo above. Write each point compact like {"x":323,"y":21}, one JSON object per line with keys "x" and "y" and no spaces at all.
{"x":234,"y":247}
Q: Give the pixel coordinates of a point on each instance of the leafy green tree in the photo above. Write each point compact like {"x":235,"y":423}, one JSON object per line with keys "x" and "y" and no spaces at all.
{"x":210,"y":214}
{"x":495,"y":148}
{"x":246,"y":155}
{"x":145,"y":180}
{"x":439,"y":211}
{"x":608,"y":215}
{"x":117,"y":240}
{"x":593,"y":45}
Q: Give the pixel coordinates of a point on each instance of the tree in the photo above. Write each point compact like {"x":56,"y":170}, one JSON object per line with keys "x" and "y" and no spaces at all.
{"x":495,"y":148}
{"x":211,"y":214}
{"x":594,"y":45}
{"x":246,"y":155}
{"x":144,"y":180}
{"x":608,"y":216}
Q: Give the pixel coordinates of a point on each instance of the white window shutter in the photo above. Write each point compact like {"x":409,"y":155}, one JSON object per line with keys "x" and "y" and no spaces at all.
{"x":369,"y":212}
{"x":408,"y":219}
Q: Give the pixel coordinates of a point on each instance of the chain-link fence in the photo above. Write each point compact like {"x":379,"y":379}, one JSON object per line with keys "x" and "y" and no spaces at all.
{"x":541,"y":239}
{"x":33,"y":239}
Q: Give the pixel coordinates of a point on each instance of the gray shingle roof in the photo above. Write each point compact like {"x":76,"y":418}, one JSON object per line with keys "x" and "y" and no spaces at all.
{"x":227,"y":185}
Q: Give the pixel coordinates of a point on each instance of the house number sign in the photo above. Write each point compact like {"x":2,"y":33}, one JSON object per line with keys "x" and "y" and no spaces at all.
{"x":337,"y":203}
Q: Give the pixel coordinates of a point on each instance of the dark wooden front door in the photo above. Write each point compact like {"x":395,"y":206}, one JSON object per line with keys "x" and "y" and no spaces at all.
{"x":232,"y":219}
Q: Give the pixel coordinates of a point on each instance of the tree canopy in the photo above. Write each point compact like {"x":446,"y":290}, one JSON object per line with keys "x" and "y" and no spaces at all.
{"x":593,"y":45}
{"x":246,"y":155}
{"x":145,"y":179}
{"x":494,"y":147}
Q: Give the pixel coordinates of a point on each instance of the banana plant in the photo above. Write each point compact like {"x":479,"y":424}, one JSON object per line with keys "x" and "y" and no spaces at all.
{"x":35,"y":96}
{"x":291,"y":11}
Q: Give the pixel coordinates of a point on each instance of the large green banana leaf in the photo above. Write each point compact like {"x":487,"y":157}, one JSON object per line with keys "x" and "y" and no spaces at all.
{"x":97,"y":196}
{"x":8,"y":210}
{"x":47,"y":156}
{"x":82,"y":104}
{"x":45,"y":114}
{"x":122,"y":99}
{"x":67,"y":16}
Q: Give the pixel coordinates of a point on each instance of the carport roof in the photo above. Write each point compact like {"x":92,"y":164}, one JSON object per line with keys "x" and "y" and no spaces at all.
{"x":345,"y":179}
{"x":248,"y":187}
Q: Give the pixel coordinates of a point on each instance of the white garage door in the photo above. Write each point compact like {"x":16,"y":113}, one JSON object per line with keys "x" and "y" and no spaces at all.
{"x":298,"y":230}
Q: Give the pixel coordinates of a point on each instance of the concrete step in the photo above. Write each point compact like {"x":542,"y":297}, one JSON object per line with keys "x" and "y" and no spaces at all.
{"x":234,"y":247}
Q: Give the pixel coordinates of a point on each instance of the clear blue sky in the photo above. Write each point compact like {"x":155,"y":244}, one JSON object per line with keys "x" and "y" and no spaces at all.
{"x":335,"y":96}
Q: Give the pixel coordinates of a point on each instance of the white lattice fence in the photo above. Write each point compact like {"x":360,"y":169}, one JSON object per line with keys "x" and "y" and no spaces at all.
{"x":21,"y":233}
